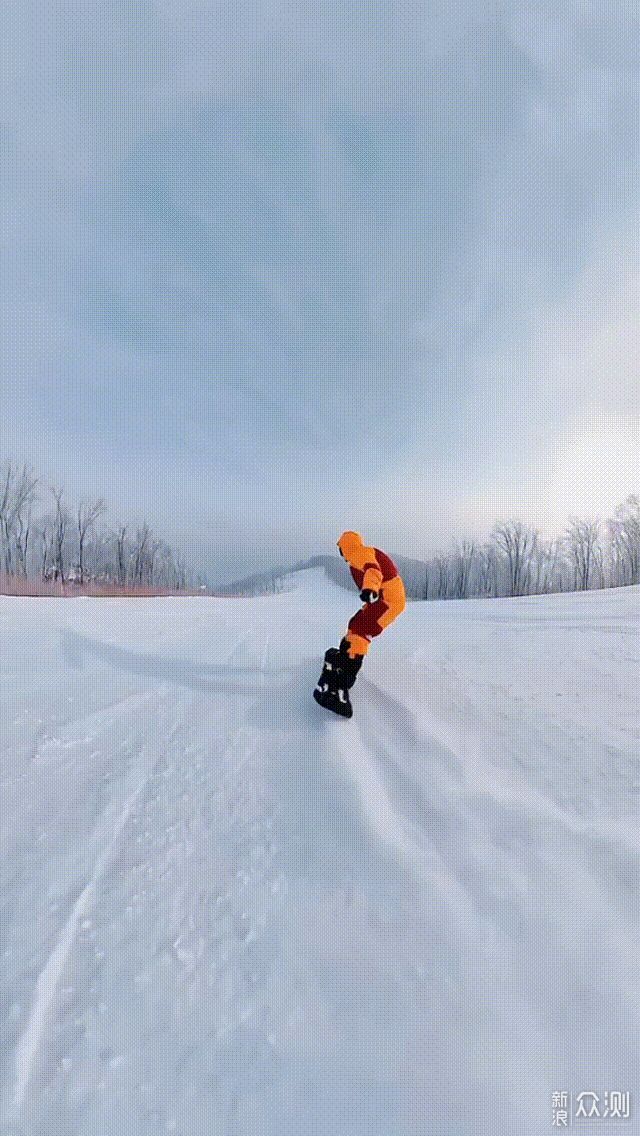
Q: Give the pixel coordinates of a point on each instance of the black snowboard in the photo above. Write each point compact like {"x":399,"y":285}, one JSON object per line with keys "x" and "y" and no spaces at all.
{"x":331,"y":691}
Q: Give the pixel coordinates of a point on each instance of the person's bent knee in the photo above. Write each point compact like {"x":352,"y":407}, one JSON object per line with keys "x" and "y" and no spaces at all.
{"x":357,"y":644}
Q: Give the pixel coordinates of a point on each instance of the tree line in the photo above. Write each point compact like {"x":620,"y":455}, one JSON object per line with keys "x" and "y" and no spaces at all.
{"x":42,"y":536}
{"x":514,"y":561}
{"x":517,"y":561}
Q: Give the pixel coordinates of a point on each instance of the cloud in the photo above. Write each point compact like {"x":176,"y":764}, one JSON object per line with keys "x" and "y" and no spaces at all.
{"x":278,"y":211}
{"x":550,"y":428}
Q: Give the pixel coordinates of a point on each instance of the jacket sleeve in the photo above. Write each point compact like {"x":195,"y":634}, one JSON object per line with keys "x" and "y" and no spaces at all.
{"x":372,"y":579}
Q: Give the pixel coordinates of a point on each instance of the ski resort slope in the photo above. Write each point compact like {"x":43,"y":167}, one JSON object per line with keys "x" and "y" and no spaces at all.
{"x":227,"y":913}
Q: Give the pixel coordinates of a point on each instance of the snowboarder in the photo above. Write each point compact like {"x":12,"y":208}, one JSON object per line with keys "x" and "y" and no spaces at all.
{"x":383,"y":595}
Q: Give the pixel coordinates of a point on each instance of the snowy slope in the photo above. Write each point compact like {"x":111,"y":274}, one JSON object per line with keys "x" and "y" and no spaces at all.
{"x":226,"y":913}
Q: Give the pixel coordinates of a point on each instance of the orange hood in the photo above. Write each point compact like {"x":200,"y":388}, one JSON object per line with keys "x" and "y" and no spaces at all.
{"x":363,"y":559}
{"x":352,"y":547}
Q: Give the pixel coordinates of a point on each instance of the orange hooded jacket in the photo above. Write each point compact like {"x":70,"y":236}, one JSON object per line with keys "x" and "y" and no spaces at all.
{"x":370,"y":567}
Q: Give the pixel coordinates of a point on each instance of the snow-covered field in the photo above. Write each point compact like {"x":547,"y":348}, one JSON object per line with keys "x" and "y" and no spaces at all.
{"x":227,"y":913}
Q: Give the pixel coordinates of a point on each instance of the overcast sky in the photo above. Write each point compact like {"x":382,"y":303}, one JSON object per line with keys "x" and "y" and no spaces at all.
{"x":274,"y":270}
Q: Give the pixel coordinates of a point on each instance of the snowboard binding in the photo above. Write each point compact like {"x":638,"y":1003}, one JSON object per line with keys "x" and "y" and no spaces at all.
{"x":338,"y":676}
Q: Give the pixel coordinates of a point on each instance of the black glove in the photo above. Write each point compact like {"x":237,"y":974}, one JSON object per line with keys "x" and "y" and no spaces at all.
{"x":368,"y":596}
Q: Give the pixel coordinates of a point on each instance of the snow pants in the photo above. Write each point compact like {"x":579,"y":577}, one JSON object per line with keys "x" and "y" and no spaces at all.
{"x":372,"y":619}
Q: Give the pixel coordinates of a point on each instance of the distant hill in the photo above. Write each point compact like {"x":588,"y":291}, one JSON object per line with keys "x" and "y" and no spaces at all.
{"x":274,"y":580}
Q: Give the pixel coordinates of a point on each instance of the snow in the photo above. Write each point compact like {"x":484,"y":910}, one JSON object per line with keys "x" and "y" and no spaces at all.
{"x":226,"y":913}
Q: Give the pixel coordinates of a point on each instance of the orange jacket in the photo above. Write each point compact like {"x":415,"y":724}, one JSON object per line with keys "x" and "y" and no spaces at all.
{"x":370,"y":567}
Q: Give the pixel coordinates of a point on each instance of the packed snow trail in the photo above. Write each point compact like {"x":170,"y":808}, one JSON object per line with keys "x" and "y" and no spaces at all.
{"x":226,"y":913}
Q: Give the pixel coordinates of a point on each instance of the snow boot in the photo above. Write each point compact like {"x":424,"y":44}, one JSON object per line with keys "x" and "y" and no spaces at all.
{"x":330,"y":671}
{"x":338,"y":676}
{"x":349,"y":667}
{"x":329,"y":680}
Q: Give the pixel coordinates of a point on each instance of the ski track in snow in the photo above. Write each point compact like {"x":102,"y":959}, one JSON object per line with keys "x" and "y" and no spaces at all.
{"x":408,"y":840}
{"x":29,"y":1043}
{"x":47,"y":983}
{"x":410,"y":740}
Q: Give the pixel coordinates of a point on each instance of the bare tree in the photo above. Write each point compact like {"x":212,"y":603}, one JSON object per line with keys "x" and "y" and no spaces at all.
{"x":100,"y":550}
{"x":441,"y":568}
{"x":581,"y":538}
{"x":88,"y":512}
{"x":120,"y":536}
{"x":23,"y":532}
{"x":152,"y":560}
{"x":166,"y":570}
{"x":6,"y":513}
{"x":598,"y":564}
{"x":462,"y":562}
{"x":60,"y":523}
{"x":181,"y":574}
{"x":17,"y":492}
{"x":624,"y":531}
{"x":517,"y":542}
{"x":487,"y":570}
{"x":140,"y":552}
{"x":44,"y":533}
{"x":538,"y":563}
{"x":546,"y":560}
